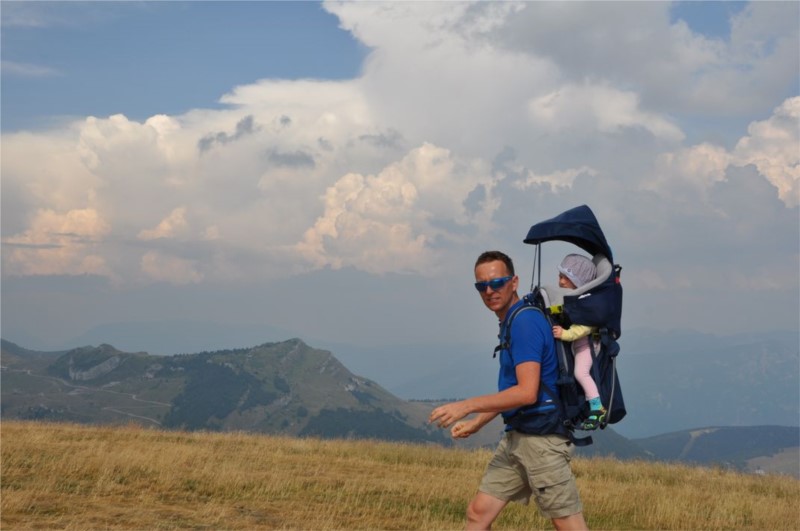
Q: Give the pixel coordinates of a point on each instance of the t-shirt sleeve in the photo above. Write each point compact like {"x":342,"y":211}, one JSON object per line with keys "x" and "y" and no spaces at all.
{"x":527,"y":333}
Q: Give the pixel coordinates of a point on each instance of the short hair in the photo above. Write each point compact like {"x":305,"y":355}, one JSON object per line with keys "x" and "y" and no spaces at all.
{"x":491,"y":256}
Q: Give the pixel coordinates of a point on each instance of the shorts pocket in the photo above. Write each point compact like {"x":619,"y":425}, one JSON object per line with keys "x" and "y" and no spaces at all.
{"x":553,"y":475}
{"x":555,"y":491}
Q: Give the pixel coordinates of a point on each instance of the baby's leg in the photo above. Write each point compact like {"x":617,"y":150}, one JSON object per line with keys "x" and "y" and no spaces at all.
{"x":583,"y":367}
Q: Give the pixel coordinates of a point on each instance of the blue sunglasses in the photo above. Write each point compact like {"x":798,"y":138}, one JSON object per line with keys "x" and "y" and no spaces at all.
{"x":495,"y":284}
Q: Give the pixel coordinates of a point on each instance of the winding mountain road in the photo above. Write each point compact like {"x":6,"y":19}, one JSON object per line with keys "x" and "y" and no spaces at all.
{"x":84,"y":388}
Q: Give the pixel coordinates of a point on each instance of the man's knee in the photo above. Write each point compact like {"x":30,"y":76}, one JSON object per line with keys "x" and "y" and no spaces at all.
{"x":474,"y":511}
{"x":482,"y":511}
{"x":573,"y":522}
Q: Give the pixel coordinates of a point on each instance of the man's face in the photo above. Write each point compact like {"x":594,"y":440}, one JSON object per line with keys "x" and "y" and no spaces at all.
{"x":501,"y":299}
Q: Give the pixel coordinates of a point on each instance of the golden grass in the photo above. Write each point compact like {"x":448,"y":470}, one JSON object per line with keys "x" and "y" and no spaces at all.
{"x":63,"y":476}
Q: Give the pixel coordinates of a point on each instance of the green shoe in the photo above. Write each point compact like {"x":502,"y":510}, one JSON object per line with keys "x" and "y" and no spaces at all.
{"x":596,"y":418}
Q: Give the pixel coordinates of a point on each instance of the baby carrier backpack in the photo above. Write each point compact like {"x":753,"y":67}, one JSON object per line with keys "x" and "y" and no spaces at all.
{"x":597,"y":304}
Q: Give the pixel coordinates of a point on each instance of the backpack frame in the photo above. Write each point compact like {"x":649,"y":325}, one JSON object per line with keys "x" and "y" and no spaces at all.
{"x":597,"y":304}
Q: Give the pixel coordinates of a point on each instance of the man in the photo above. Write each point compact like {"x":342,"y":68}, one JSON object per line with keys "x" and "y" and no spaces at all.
{"x":524,"y":465}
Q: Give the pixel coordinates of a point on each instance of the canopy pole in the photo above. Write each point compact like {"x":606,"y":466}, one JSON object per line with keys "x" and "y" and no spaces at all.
{"x":539,"y":272}
{"x":537,"y":258}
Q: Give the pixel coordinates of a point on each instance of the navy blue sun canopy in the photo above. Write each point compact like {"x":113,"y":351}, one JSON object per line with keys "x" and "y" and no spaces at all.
{"x":577,"y":226}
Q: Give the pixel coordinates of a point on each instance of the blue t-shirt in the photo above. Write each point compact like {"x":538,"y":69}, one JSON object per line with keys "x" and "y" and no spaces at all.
{"x":531,"y":340}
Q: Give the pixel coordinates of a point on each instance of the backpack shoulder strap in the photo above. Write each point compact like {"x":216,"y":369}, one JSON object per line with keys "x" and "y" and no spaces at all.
{"x":505,"y":343}
{"x":505,"y":340}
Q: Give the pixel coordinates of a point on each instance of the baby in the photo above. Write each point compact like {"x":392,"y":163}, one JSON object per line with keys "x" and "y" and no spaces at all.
{"x":576,"y":271}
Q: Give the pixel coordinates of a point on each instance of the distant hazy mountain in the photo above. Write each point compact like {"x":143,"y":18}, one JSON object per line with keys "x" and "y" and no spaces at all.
{"x":178,"y":336}
{"x":672,"y":380}
{"x":285,"y":387}
{"x":681,"y":380}
{"x":291,"y":388}
{"x":752,"y":448}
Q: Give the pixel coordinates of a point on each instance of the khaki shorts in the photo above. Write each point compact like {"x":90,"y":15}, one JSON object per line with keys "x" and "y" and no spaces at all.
{"x":534,"y":465}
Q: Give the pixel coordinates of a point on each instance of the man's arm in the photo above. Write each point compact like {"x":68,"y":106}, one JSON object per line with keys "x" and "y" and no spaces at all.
{"x":522,"y":394}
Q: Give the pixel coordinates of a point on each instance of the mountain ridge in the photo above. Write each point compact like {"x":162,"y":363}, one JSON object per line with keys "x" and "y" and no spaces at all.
{"x":284,"y":387}
{"x":291,"y":388}
{"x":736,"y":379}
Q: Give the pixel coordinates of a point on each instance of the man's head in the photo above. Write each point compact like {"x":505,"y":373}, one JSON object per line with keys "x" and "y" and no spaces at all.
{"x":496,"y":281}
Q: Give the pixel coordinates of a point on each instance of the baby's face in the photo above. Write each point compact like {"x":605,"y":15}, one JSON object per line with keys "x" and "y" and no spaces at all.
{"x":564,"y":282}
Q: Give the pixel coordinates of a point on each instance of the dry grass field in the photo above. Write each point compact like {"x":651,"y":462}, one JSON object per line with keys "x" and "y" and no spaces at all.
{"x":63,"y":476}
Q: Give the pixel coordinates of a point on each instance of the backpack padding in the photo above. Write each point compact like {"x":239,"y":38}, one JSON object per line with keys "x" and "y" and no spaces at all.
{"x":554,"y":295}
{"x":604,"y":270}
{"x":601,"y":307}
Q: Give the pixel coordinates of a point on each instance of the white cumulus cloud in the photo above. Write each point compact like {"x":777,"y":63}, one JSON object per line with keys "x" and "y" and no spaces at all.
{"x":408,"y":164}
{"x":169,"y":227}
{"x":59,"y":243}
{"x":601,"y":108}
{"x":773,"y":146}
{"x":388,"y":221}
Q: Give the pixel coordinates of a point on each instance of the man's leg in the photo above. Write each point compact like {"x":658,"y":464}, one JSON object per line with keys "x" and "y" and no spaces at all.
{"x":482,"y":511}
{"x":573,"y":522}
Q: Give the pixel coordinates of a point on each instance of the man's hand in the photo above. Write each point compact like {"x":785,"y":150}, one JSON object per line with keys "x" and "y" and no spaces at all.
{"x":462,"y":430}
{"x":444,"y":416}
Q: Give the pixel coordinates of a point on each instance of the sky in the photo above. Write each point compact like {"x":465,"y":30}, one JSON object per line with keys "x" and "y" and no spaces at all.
{"x":331,"y":170}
